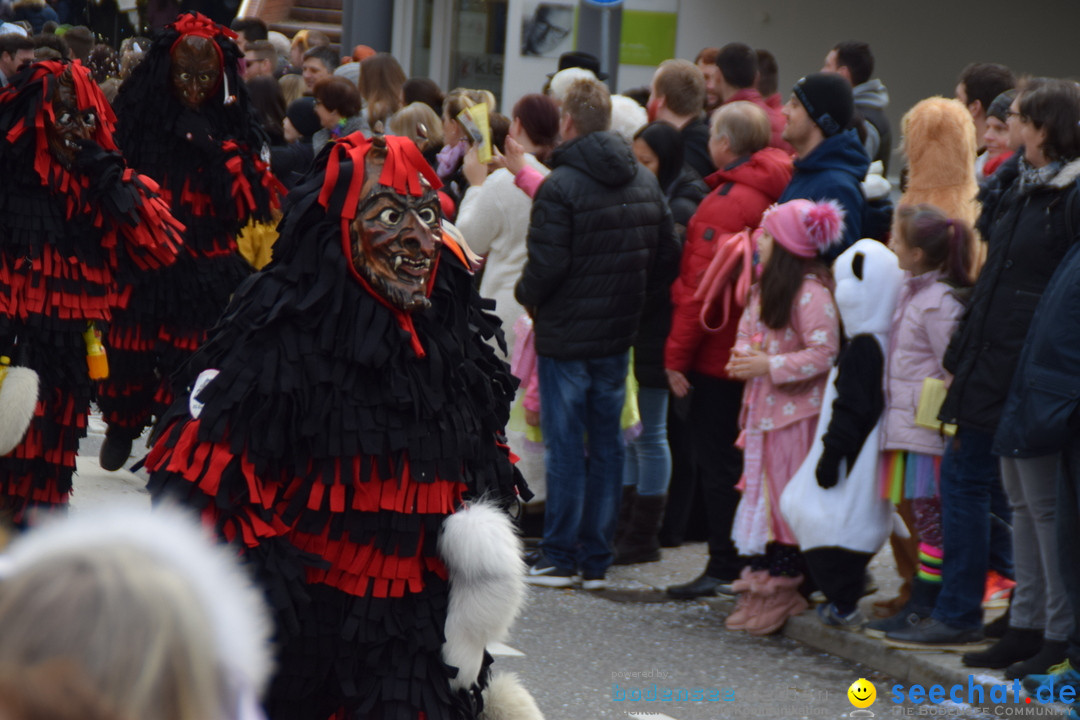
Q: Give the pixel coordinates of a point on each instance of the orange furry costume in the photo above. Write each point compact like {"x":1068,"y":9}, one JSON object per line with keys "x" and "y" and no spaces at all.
{"x":939,"y":140}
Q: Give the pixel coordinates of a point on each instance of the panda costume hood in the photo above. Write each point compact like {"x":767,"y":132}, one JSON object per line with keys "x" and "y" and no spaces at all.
{"x":838,"y":479}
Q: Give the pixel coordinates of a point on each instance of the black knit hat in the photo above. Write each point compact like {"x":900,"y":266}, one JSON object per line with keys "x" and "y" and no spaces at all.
{"x":583,"y":60}
{"x":301,"y":114}
{"x":828,"y":100}
{"x":1000,"y":107}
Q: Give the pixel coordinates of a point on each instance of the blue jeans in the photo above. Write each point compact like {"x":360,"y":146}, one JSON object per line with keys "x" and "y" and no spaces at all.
{"x":975,"y":520}
{"x":648,"y":458}
{"x":581,"y":403}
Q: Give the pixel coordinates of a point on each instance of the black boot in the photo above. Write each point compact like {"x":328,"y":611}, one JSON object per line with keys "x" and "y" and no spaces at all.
{"x":999,"y":627}
{"x":626,"y":508}
{"x":116,"y":449}
{"x":640,"y":542}
{"x":1051,"y":654}
{"x":1016,"y":646}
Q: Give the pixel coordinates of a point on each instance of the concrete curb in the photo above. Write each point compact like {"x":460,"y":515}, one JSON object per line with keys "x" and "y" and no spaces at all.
{"x":646,"y":583}
{"x":907,"y":666}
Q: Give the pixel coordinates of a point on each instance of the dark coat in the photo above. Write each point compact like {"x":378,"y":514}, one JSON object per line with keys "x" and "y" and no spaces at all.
{"x":683,"y":197}
{"x":834,"y":170}
{"x":695,"y":137}
{"x":289,"y":162}
{"x":598,"y":224}
{"x":36,"y":16}
{"x":1040,"y":412}
{"x":1030,"y":232}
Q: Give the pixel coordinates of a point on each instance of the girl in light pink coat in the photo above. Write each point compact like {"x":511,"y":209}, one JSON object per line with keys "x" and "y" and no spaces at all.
{"x":934,"y":251}
{"x":788,"y":338}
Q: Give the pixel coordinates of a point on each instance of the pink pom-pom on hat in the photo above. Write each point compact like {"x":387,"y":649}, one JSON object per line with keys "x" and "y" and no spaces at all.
{"x":805,"y":227}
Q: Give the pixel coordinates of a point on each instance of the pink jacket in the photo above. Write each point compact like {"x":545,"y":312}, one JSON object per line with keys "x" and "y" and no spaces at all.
{"x":800,"y":356}
{"x":925,"y":317}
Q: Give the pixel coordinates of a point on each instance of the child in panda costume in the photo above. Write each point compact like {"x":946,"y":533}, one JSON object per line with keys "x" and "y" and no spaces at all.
{"x":833,"y":503}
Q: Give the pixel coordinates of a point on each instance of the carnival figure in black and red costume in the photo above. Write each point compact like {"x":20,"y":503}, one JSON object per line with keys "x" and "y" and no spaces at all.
{"x":185,"y":120}
{"x":76,"y":228}
{"x":346,"y":431}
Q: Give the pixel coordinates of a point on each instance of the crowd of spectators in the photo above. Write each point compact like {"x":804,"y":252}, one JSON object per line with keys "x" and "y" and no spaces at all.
{"x":661,"y":270}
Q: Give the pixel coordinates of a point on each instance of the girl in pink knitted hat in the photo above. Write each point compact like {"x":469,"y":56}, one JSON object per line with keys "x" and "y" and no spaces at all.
{"x":788,"y":338}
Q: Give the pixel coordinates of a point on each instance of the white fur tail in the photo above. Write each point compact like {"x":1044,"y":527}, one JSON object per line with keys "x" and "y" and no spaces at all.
{"x":507,"y":699}
{"x":487,"y":587}
{"x":18,"y":398}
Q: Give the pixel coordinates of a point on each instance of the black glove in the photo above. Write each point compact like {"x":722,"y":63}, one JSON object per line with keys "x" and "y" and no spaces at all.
{"x":97,"y":163}
{"x":105,"y":170}
{"x":828,"y":468}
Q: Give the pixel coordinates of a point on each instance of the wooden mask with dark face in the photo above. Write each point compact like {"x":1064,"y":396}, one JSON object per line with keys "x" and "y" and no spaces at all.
{"x":70,"y":123}
{"x":196,"y":70}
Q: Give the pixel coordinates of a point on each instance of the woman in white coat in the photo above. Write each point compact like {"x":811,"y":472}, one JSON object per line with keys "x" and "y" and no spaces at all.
{"x":494,"y":214}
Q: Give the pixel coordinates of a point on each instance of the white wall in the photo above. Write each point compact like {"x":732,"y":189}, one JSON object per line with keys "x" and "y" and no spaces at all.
{"x":523,"y":75}
{"x":920,"y":45}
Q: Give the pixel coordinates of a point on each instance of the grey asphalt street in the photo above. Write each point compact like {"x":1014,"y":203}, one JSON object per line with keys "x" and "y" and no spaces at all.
{"x":587,"y":656}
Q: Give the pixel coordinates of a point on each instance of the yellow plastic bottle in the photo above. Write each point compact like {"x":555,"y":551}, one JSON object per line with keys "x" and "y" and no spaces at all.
{"x":96,"y":360}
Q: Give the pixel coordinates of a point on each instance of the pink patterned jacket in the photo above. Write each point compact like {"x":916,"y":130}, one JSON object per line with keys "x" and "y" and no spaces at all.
{"x":800,"y":357}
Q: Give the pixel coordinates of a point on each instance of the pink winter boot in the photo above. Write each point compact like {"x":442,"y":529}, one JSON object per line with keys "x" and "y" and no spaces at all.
{"x":749,"y":587}
{"x":782,"y":600}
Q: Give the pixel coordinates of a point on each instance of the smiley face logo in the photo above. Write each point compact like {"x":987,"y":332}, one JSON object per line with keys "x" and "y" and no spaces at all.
{"x":862,"y":693}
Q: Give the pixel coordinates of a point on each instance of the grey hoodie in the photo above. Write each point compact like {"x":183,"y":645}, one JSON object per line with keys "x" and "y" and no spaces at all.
{"x":871,"y":99}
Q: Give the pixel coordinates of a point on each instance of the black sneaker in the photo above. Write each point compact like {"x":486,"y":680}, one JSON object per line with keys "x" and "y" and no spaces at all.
{"x":547,"y":574}
{"x":900,"y":621}
{"x":533,"y":556}
{"x":930,"y":634}
{"x":829,"y":615}
{"x":701,"y":586}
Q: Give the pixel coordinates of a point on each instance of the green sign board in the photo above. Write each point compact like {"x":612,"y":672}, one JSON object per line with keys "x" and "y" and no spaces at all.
{"x":648,"y":38}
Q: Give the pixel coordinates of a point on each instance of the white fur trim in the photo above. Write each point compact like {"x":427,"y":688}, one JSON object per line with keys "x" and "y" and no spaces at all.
{"x":239,"y":618}
{"x":507,"y":699}
{"x":487,"y":585}
{"x":18,"y":398}
{"x":1067,"y":175}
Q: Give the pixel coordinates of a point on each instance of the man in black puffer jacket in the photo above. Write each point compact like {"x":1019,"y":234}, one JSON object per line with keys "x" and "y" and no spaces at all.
{"x":598,"y":230}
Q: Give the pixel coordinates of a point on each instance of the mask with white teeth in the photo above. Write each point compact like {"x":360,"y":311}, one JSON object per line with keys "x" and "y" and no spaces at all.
{"x":69,"y":123}
{"x":395,"y":239}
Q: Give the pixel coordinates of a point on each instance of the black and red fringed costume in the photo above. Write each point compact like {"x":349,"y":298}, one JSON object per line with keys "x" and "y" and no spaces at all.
{"x":209,"y":156}
{"x":340,"y":432}
{"x":77,"y":227}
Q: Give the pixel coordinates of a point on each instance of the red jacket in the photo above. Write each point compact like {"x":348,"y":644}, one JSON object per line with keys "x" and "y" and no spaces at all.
{"x":777,"y":121}
{"x":741,"y":193}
